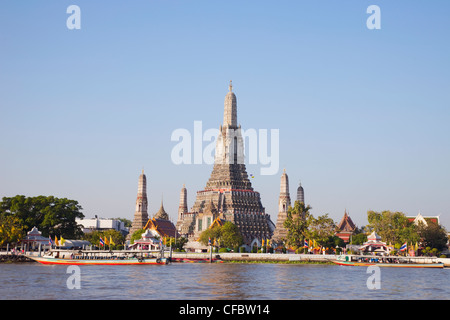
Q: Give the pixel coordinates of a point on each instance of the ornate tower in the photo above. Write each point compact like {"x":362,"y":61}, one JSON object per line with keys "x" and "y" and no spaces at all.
{"x":300,"y":193}
{"x":183,"y":208}
{"x":141,"y":214}
{"x":284,"y":201}
{"x":161,"y":214}
{"x":229,"y":190}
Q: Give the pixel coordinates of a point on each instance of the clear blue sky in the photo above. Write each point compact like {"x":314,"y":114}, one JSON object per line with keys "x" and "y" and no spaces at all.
{"x":363,"y":114}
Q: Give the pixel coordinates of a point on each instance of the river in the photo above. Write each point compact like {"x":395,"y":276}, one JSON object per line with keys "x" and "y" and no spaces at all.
{"x":220,"y":281}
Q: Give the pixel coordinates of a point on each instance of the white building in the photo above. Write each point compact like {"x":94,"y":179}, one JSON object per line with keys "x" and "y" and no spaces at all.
{"x":100,"y":224}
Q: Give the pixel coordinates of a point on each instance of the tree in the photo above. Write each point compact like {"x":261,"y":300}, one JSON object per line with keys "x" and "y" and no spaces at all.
{"x":210,"y":233}
{"x":136,"y":235}
{"x":10,"y":230}
{"x":433,"y":235}
{"x":230,"y":236}
{"x":321,"y":229}
{"x":332,"y":242}
{"x":177,"y":244}
{"x":297,"y":223}
{"x":359,"y":238}
{"x":392,"y":227}
{"x":227,"y":236}
{"x":52,"y":216}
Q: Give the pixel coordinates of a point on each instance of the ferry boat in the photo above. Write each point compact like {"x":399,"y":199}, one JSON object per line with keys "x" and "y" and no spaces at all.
{"x":100,"y":261}
{"x":392,"y":262}
{"x":98,"y":257}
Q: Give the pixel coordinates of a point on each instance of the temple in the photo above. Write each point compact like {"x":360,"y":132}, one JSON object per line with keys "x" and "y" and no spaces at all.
{"x":228,"y":194}
{"x":345,"y":228}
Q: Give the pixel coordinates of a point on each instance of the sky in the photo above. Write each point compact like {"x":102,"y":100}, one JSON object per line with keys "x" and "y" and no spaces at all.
{"x":363,"y":114}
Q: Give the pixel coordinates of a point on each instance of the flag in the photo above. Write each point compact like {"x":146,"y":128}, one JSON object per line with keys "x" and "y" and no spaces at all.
{"x":403,"y":247}
{"x":209,"y":241}
{"x":311,"y":243}
{"x":262,"y":242}
{"x":105,"y":241}
{"x":56,"y":241}
{"x":102,"y":243}
{"x":111,"y":241}
{"x":61,"y":240}
{"x":305,"y":244}
{"x":50,"y":241}
{"x":416,"y":247}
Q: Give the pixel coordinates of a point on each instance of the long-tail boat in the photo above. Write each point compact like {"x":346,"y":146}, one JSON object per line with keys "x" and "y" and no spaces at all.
{"x":392,"y":262}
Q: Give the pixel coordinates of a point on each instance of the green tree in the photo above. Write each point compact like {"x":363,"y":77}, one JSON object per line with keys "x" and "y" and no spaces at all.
{"x":52,"y":216}
{"x":359,"y":238}
{"x":392,"y":227}
{"x":331,"y":242}
{"x":177,"y":244}
{"x":433,"y":235}
{"x":321,"y":229}
{"x":227,"y":236}
{"x":136,"y":235}
{"x":210,"y":233}
{"x":297,"y":223}
{"x":230,"y":236}
{"x":11,"y":230}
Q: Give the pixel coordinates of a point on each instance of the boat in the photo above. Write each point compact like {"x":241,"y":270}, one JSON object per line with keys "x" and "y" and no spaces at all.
{"x":392,"y":262}
{"x":101,"y":257}
{"x":101,"y":261}
{"x":196,"y":260}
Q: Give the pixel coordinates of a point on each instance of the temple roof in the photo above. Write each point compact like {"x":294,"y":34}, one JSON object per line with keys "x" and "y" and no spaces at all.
{"x":374,"y":237}
{"x":161,"y":214}
{"x":165,"y":228}
{"x":346,"y":223}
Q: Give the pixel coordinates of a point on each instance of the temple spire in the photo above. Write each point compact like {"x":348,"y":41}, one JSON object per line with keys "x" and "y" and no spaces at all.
{"x":230,"y":109}
{"x":284,"y":201}
{"x":140,"y":215}
{"x":300,"y":193}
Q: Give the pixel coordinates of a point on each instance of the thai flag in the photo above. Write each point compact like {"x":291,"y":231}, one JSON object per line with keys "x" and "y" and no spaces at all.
{"x":50,"y":241}
{"x":305,"y":244}
{"x":209,"y":241}
{"x":403,"y":247}
{"x":102,"y":242}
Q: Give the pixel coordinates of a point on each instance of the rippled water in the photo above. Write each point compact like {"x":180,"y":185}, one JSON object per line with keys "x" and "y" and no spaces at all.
{"x":221,"y":281}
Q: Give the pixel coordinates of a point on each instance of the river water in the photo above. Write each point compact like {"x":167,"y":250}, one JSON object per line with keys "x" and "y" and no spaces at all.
{"x":221,"y":282}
